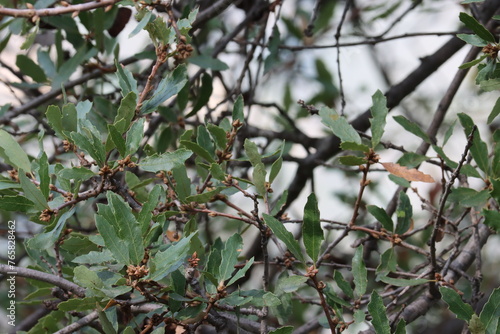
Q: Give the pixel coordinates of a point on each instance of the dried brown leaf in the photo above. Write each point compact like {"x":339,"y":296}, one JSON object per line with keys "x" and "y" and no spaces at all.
{"x":407,"y":174}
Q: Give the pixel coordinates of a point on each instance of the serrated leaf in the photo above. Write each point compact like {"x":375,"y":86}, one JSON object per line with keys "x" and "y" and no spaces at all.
{"x":412,"y":128}
{"x":491,"y":312}
{"x":276,"y":166}
{"x":217,"y":172}
{"x":31,"y":192}
{"x":379,"y":113}
{"x":494,"y":112}
{"x":411,"y":160}
{"x":204,"y":197}
{"x":472,"y":63}
{"x":359,"y":272}
{"x":204,"y":94}
{"x":476,"y":27}
{"x":339,"y":125}
{"x":311,"y":228}
{"x":351,"y":160}
{"x":284,"y":235}
{"x":12,"y":152}
{"x":259,"y":178}
{"x":402,"y":281}
{"x":87,"y":278}
{"x":407,"y":174}
{"x":238,"y":109}
{"x":404,"y":213}
{"x":134,"y":136}
{"x":169,"y":260}
{"x":240,"y":273}
{"x":54,"y":117}
{"x":168,"y":87}
{"x":379,"y":314}
{"x":126,"y":112}
{"x":166,"y":161}
{"x":47,"y":239}
{"x":381,"y":216}
{"x":43,"y":174}
{"x":452,"y":298}
{"x":218,"y":134}
{"x":401,"y":327}
{"x":492,"y":219}
{"x":94,"y":257}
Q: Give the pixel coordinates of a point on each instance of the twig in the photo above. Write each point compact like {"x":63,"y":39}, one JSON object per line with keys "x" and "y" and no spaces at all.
{"x":314,"y":15}
{"x":337,"y":38}
{"x":32,"y":12}
{"x":44,"y":277}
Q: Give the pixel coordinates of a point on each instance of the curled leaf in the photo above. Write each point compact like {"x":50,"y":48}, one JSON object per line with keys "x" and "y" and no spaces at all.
{"x":407,"y":174}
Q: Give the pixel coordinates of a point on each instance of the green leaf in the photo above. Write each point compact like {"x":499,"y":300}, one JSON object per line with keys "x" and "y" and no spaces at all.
{"x":359,"y":272}
{"x":252,"y":152}
{"x":452,"y":298}
{"x":87,"y":278}
{"x":217,"y":172}
{"x":401,"y":327}
{"x":292,"y":283}
{"x":30,"y":68}
{"x":472,"y":63}
{"x":402,"y":281}
{"x":147,"y":16}
{"x":492,"y":219}
{"x":200,"y":151}
{"x":208,"y":63}
{"x":343,"y":284}
{"x":468,"y":197}
{"x":238,"y":109}
{"x":218,"y":134}
{"x":126,"y":80}
{"x":350,"y":146}
{"x":204,"y":94}
{"x":47,"y":239}
{"x":273,"y":47}
{"x":120,"y":230}
{"x":411,"y":160}
{"x":13,"y":153}
{"x":229,"y":255}
{"x":240,"y":273}
{"x":259,"y":178}
{"x":379,"y":314}
{"x":107,"y":325}
{"x":491,"y":312}
{"x":169,"y":260}
{"x":117,"y":139}
{"x":80,"y":304}
{"x":284,"y":235}
{"x":474,"y":40}
{"x":311,"y":228}
{"x":282,"y":330}
{"x":15,"y":203}
{"x":76,"y":173}
{"x":351,"y":160}
{"x":476,"y":27}
{"x":276,"y":166}
{"x":32,"y":193}
{"x":412,"y":128}
{"x":379,"y":113}
{"x":134,"y":136}
{"x":70,"y":66}
{"x":54,"y":117}
{"x":339,"y":125}
{"x":479,"y":149}
{"x":168,"y":87}
{"x":476,"y":326}
{"x":381,"y":216}
{"x":166,"y":161}
{"x":204,"y":197}
{"x":404,"y":213}
{"x":494,"y":113}
{"x":90,"y":144}
{"x":94,"y":257}
{"x":490,"y":84}
{"x":388,"y":262}
{"x":144,"y":217}
{"x":126,"y":111}
{"x":43,"y":174}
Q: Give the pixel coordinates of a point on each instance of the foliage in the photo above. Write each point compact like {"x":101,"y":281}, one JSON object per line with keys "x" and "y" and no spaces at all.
{"x":158,"y":186}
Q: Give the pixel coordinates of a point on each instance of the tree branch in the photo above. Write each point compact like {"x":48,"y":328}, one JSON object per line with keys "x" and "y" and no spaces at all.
{"x":32,"y":12}
{"x":41,"y":276}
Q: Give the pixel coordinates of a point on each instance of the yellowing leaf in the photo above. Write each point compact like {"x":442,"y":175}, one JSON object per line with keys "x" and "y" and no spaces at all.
{"x":407,"y":174}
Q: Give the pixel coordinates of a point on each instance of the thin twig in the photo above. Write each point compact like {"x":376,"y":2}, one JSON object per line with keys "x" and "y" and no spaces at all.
{"x":32,"y":12}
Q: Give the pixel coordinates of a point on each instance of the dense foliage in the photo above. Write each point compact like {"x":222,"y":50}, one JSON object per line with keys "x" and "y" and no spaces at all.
{"x":163,"y":165}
